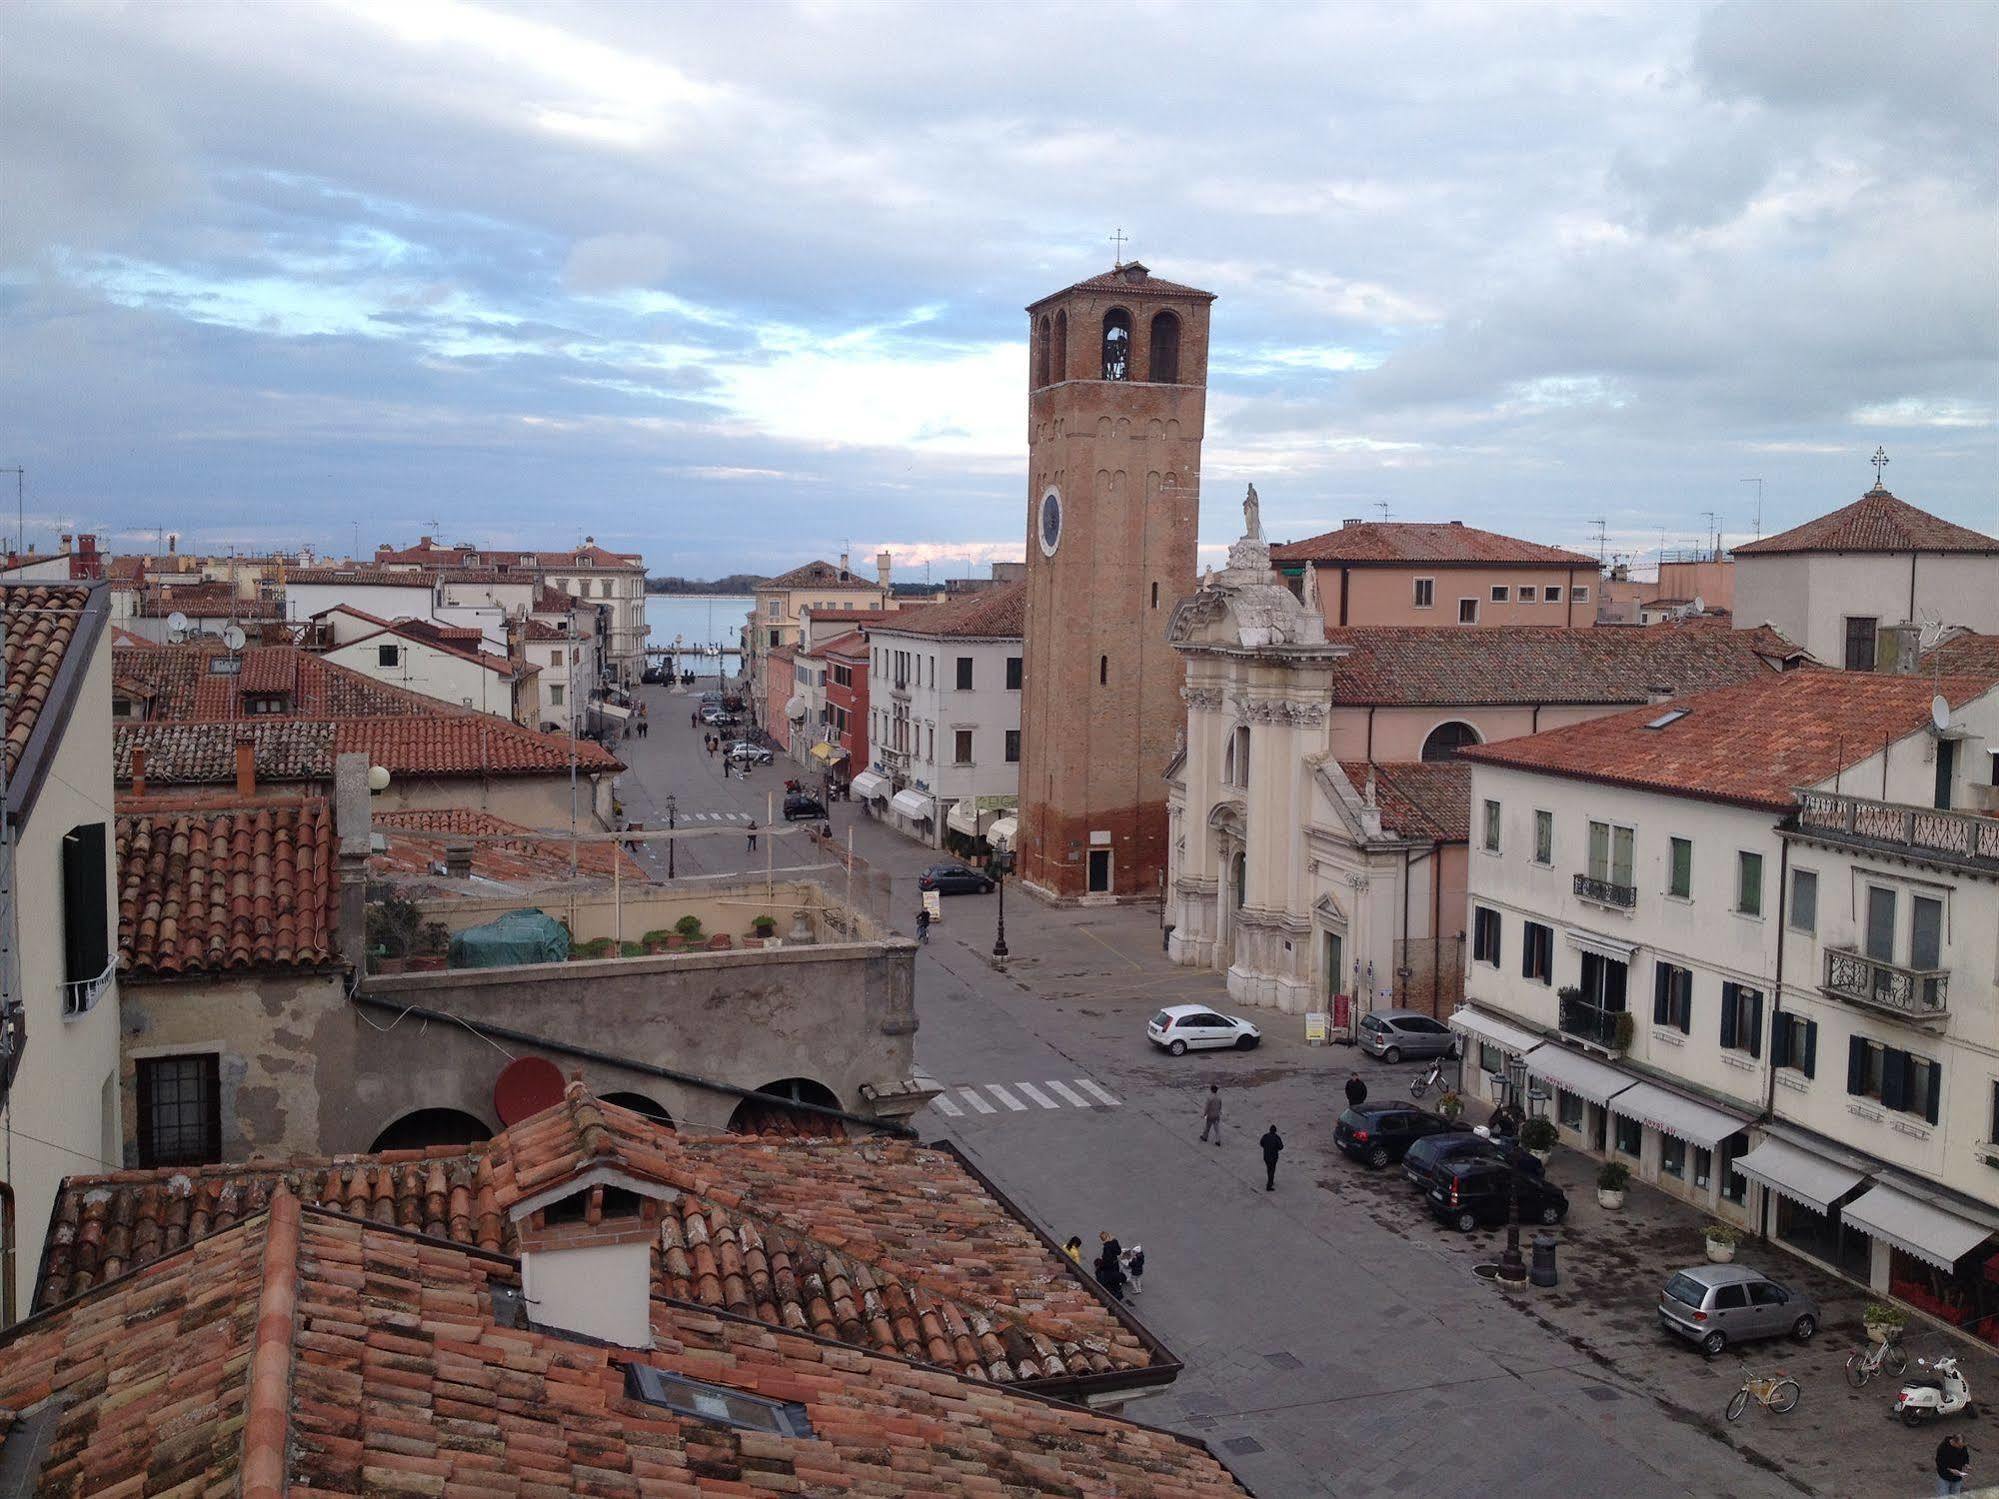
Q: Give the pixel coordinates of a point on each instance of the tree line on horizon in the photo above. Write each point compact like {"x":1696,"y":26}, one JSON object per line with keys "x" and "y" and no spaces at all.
{"x":733,"y":583}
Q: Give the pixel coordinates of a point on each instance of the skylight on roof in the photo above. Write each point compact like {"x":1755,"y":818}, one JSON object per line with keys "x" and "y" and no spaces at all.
{"x":713,"y":1402}
{"x":1671,"y":715}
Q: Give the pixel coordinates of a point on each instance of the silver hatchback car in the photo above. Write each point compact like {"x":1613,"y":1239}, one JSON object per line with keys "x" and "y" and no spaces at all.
{"x":1718,"y":1305}
{"x":1395,"y":1034}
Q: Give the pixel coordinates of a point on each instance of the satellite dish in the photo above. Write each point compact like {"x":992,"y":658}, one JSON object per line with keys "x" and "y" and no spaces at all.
{"x":1700,"y":604}
{"x":233,"y":637}
{"x":177,"y":621}
{"x":1940,"y":712}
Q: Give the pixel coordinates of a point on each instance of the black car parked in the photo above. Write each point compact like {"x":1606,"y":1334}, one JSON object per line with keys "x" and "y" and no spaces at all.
{"x":1473,"y":1192}
{"x":1377,"y":1133}
{"x":954,"y":879}
{"x":1424,"y":1164}
{"x":799,"y":805}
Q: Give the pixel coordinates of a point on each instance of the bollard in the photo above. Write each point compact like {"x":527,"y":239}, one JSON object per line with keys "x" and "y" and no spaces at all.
{"x":1543,"y":1273}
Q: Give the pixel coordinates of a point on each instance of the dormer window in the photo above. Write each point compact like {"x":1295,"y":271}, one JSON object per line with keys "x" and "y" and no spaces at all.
{"x":267,"y":702}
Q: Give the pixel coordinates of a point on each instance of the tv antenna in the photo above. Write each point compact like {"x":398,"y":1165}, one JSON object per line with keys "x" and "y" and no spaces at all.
{"x":20,"y":510}
{"x":1382,"y":506}
{"x":1713,"y":524}
{"x":1602,"y":525}
{"x":1759,"y":504}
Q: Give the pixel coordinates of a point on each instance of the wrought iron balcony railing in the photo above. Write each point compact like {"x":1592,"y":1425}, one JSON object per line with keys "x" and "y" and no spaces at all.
{"x":1954,"y":837}
{"x":1588,"y":1022}
{"x":80,"y":996}
{"x":1606,"y":892}
{"x":1910,"y":993}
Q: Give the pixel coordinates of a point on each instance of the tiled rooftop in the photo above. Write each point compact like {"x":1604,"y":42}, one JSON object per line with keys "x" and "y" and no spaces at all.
{"x":1131,"y":276}
{"x":301,"y":749}
{"x":227,"y":889}
{"x":1424,"y":544}
{"x":41,"y":621}
{"x":1748,"y":745}
{"x":1442,"y":666}
{"x":505,"y":851}
{"x":819,"y":575}
{"x":1876,"y":522}
{"x":187,"y":689}
{"x":998,"y":613}
{"x":1967,"y":652}
{"x":891,"y":1246}
{"x":315,"y":1350}
{"x":1418,"y":799}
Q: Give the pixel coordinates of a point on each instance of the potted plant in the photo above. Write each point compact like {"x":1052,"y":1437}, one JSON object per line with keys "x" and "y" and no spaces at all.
{"x":765,"y":927}
{"x":656,"y":940}
{"x":1610,"y":1184}
{"x":392,"y":926}
{"x":689,"y":927}
{"x":1539,"y":1137}
{"x":1883,"y":1321}
{"x":1450,"y":1105}
{"x":1625,"y":1029}
{"x":1721,"y":1241}
{"x":433,"y":948}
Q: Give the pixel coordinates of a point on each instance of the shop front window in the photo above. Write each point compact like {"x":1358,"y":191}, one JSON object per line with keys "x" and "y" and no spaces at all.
{"x":1569,"y":1108}
{"x":1630,"y":1136}
{"x":1734,"y":1185}
{"x":1672,"y":1157}
{"x":1703,"y":1168}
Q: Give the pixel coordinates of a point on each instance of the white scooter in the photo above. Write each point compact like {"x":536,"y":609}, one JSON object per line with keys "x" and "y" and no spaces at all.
{"x":1946,"y":1394}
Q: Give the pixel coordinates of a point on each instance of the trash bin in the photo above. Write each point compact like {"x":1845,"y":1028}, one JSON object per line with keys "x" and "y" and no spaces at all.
{"x":1543,"y":1273}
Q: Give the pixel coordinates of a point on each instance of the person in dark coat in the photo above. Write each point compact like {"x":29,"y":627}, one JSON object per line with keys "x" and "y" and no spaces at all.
{"x":1110,"y":1263}
{"x":1273,"y":1145}
{"x":1953,"y":1461}
{"x":1356,"y":1091}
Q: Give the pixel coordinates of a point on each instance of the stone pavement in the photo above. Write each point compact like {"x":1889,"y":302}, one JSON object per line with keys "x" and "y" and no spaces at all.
{"x":1335,"y":1339}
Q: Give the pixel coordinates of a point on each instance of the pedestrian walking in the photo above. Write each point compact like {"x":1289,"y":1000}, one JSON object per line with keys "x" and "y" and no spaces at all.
{"x":694,"y":719}
{"x":1953,"y":1461}
{"x":1211,"y":1114}
{"x":1074,"y":1248}
{"x":1134,"y":1267}
{"x":923,"y":925}
{"x":1110,"y":1264}
{"x":1273,"y":1145}
{"x":753,"y":835}
{"x":1356,"y":1091}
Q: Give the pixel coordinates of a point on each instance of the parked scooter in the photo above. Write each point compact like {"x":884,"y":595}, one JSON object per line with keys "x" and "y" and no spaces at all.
{"x":1947,"y":1394}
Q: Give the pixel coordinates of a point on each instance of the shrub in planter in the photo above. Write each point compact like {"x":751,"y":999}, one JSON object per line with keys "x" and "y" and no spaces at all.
{"x":1539,"y":1137}
{"x":1721,"y":1241}
{"x":1883,"y":1321}
{"x":1611,"y":1181}
{"x":689,"y":928}
{"x":631,"y":949}
{"x":764,"y":926}
{"x":1626,"y":1028}
{"x":1450,"y":1105}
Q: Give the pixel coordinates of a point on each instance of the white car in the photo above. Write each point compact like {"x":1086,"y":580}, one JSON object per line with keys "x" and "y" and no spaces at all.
{"x":1181,"y":1028}
{"x":742,"y":752}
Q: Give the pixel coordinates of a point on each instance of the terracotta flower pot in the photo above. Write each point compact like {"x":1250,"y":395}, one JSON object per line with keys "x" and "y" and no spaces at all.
{"x":430,"y":962}
{"x":391,"y":965}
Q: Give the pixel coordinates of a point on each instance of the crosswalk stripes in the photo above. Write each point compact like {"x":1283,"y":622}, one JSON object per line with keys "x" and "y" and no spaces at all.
{"x":715,"y":817}
{"x":975,"y":1096}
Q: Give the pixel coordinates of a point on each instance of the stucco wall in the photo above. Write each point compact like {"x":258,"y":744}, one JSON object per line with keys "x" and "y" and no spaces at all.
{"x":1810,"y":595}
{"x":436,"y":674}
{"x":536,"y":801}
{"x":1387,"y":595}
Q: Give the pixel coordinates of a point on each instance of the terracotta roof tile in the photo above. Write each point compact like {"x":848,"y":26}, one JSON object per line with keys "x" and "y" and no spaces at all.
{"x":466,"y":744}
{"x":196,"y":754}
{"x":1876,"y":522}
{"x":1131,"y":276}
{"x":188,"y":688}
{"x":227,"y":889}
{"x":41,"y":621}
{"x":507,"y":851}
{"x":1967,"y":652}
{"x":1442,"y":666}
{"x":1748,"y":745}
{"x":818,"y":575}
{"x":1417,"y":798}
{"x":998,"y":613}
{"x":1424,"y":544}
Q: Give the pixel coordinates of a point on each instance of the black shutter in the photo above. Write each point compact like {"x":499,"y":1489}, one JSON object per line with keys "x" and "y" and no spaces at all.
{"x":1933,"y":1105}
{"x":1811,"y":1048}
{"x":1755,"y":1024}
{"x":1856,"y":1064}
{"x":1728,"y":1003}
{"x":1780,"y":1044}
{"x":1661,"y":990}
{"x":1894,"y":1078}
{"x":83,"y":914}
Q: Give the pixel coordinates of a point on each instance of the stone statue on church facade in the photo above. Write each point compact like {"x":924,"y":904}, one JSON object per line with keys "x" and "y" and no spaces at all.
{"x":1252,"y":516}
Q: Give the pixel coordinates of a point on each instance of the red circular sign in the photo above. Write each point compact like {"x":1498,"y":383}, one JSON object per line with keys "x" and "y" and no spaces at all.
{"x":525,"y":1087}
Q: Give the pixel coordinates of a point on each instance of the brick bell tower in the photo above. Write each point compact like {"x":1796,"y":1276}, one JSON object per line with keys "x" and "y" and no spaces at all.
{"x":1117,"y":375}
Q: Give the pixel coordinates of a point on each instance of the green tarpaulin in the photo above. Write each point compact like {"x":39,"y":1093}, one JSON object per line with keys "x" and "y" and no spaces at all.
{"x":517,"y":937}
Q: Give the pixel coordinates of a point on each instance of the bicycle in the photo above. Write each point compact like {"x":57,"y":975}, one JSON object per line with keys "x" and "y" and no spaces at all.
{"x":1863,"y":1365}
{"x":1428,"y":1080}
{"x":1777,"y":1392}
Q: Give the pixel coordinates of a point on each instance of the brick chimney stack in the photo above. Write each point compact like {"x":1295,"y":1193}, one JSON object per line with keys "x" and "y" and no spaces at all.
{"x":353,"y":821}
{"x":138,"y":770}
{"x":246,"y":766}
{"x":882,"y":560}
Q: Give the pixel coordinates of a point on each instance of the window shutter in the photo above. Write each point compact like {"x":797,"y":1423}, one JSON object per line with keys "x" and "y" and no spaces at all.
{"x":1728,"y":1003}
{"x":1933,"y":1105}
{"x":1856,"y":1064}
{"x":1661,"y":991}
{"x":83,"y":914}
{"x":1811,"y":1048}
{"x":1780,"y":1044}
{"x":1756,"y":1025}
{"x":1894,"y":1078}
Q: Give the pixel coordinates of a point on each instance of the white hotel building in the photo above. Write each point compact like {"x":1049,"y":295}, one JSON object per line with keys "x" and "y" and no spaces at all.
{"x":1747,"y":942}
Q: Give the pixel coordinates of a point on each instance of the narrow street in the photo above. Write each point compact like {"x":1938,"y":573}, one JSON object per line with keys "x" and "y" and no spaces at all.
{"x":1335,"y":1338}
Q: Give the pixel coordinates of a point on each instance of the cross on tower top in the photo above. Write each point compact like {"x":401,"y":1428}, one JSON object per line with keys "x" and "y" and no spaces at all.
{"x":1118,"y":244}
{"x":1880,"y":461}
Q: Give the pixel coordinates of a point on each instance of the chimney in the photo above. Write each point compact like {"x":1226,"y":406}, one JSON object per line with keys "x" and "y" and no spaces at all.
{"x":138,"y":770}
{"x":458,"y":859}
{"x":246,"y":766}
{"x":843,"y":567}
{"x":882,"y":567}
{"x":353,"y":823}
{"x":1352,"y":520}
{"x":1659,"y":692}
{"x":586,"y":1238}
{"x":1898,"y":650}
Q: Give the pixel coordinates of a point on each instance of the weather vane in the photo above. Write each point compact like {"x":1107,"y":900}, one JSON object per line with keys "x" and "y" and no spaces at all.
{"x":1880,"y":461}
{"x":1117,"y":254}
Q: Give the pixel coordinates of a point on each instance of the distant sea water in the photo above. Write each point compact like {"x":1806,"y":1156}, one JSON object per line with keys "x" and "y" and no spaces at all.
{"x":698,"y":619}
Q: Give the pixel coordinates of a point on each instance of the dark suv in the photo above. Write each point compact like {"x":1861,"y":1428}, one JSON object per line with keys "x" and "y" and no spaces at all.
{"x":1377,"y":1133}
{"x":1424,"y":1164}
{"x":1468,"y":1193}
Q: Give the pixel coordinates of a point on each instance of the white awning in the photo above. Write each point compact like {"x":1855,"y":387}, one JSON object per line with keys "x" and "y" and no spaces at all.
{"x":1914,"y":1226}
{"x":964,"y":817}
{"x":1603,"y":947}
{"x":1003,"y":831}
{"x":611,"y":710}
{"x":911,"y":804}
{"x":1798,"y":1174}
{"x":869,"y":784}
{"x":795,"y":708}
{"x":1576,"y":1072}
{"x":1503,"y":1034}
{"x":1677,"y":1115}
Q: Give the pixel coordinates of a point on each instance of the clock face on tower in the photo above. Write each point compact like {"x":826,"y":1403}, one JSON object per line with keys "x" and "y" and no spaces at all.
{"x":1049,"y":523}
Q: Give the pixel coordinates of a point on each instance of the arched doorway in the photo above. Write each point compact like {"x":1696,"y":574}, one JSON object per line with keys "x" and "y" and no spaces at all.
{"x":1228,"y":823}
{"x":638,"y":1103}
{"x":424,"y":1128}
{"x":754,"y":1117}
{"x":1446,"y":739}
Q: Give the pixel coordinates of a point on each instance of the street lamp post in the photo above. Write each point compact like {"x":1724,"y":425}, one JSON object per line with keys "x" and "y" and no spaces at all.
{"x":1002,"y":865}
{"x":1512,"y":1268}
{"x":669,"y":842}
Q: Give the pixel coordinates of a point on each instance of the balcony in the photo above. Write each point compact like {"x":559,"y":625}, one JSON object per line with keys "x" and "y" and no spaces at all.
{"x":1587,"y":1022}
{"x":1606,"y":892}
{"x":1964,"y":840}
{"x":1919,"y":995}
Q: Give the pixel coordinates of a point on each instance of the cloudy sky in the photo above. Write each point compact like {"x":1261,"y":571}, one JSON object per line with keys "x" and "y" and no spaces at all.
{"x":732,"y":284}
